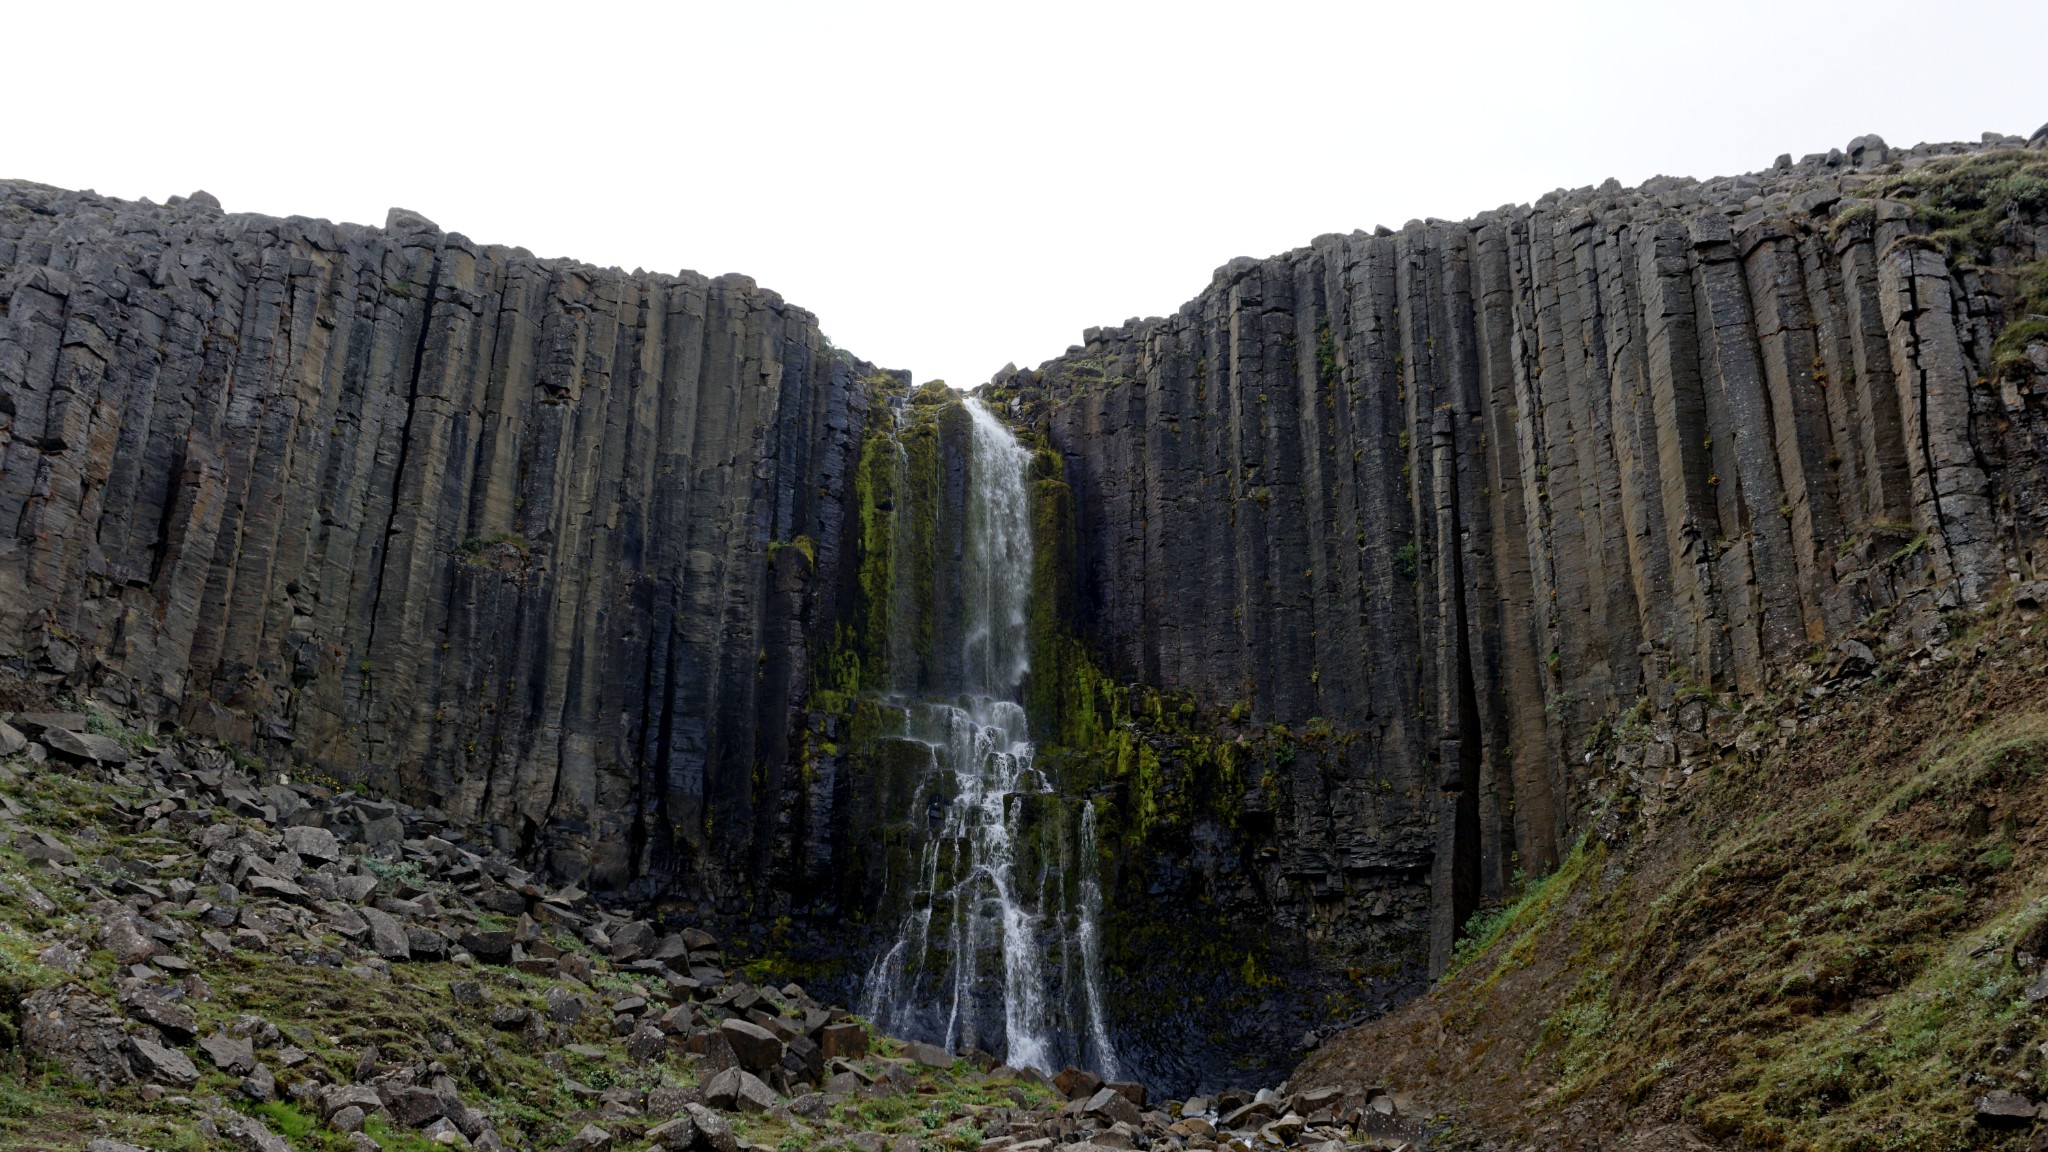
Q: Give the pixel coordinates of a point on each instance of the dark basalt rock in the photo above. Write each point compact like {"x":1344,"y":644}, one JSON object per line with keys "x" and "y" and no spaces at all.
{"x":1464,"y":495}
{"x":557,"y":550}
{"x":363,"y":498}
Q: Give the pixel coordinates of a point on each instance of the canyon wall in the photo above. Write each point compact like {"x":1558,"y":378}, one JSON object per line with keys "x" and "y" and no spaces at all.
{"x":1365,"y":582}
{"x":1507,"y":507}
{"x":526,"y":539}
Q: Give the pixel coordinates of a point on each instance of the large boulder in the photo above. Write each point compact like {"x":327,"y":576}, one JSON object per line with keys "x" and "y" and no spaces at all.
{"x":488,"y":947}
{"x":85,"y":746}
{"x":646,"y":1045}
{"x":736,"y":1090}
{"x":387,"y":935}
{"x":632,"y":940}
{"x":674,"y":1135}
{"x":564,"y":1006}
{"x":153,"y":1061}
{"x":413,"y":1107}
{"x":128,"y":940}
{"x":847,"y":1040}
{"x":172,"y":1019}
{"x":231,"y":1054}
{"x":72,"y":1027}
{"x":1111,"y":1106}
{"x":252,"y":1134}
{"x":757,"y":1048}
{"x":426,"y":944}
{"x":313,"y":843}
{"x":1076,"y":1083}
{"x":42,"y":723}
{"x":361,"y":1097}
{"x":2004,"y":1110}
{"x":712,"y":1130}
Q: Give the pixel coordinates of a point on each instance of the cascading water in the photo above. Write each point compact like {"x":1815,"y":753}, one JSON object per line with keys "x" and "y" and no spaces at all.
{"x":999,"y":950}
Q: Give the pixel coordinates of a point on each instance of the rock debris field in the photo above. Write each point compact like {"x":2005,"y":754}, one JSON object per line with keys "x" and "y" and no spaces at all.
{"x":205,"y":959}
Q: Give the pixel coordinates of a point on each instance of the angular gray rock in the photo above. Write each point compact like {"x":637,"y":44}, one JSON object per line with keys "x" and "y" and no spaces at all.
{"x":71,"y":1027}
{"x":172,"y":1019}
{"x":387,"y":935}
{"x":359,"y":1096}
{"x":712,"y":1130}
{"x":2004,"y":1110}
{"x":125,"y":937}
{"x":153,"y":1061}
{"x":230,"y":1054}
{"x":737,"y":1090}
{"x":253,"y":1134}
{"x":260,"y":1084}
{"x":85,"y":746}
{"x":317,"y":844}
{"x":564,"y":1006}
{"x":757,"y":1048}
{"x":1111,"y":1106}
{"x":675,"y":1135}
{"x":847,"y":1040}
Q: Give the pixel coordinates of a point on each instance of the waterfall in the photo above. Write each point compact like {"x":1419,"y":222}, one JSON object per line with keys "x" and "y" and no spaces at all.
{"x":999,"y":950}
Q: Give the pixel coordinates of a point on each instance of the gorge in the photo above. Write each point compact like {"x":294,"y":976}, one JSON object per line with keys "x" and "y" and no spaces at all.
{"x":1163,"y":708}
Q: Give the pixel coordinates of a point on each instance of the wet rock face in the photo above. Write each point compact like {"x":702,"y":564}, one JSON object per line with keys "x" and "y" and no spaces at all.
{"x":479,"y":529}
{"x":1470,"y":491}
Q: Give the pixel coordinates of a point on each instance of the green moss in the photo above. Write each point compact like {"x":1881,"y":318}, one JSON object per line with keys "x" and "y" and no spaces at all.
{"x":1827,"y":960}
{"x":1327,"y":368}
{"x":1966,"y":205}
{"x":802,"y":544}
{"x":1522,"y":916}
{"x":286,"y":1120}
{"x":1964,"y":200}
{"x":2027,"y":314}
{"x":1150,"y":766}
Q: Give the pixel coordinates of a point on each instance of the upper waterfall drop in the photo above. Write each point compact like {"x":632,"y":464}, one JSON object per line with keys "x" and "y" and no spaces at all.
{"x":998,"y":948}
{"x":998,"y":552}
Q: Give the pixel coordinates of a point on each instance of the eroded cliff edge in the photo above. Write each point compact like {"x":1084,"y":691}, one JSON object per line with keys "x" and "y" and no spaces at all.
{"x":487,"y":531}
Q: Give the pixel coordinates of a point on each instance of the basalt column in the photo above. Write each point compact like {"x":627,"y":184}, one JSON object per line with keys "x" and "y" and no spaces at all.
{"x":530,"y":540}
{"x":1509,"y":503}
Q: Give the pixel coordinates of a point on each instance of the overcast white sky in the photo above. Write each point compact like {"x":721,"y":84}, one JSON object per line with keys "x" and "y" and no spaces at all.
{"x":953,"y":186}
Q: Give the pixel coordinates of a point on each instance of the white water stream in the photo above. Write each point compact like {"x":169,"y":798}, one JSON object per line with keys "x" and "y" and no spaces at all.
{"x":1000,"y":949}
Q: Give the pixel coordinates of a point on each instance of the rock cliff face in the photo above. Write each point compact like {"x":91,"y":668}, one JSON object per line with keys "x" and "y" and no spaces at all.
{"x":488,"y":531}
{"x":1366,"y":581}
{"x":1510,"y":505}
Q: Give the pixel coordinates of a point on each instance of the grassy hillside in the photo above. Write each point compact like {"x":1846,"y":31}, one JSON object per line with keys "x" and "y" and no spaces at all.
{"x":1825,"y":941}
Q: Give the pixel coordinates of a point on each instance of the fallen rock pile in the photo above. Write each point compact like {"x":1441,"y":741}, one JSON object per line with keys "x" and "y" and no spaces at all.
{"x":207,"y":873}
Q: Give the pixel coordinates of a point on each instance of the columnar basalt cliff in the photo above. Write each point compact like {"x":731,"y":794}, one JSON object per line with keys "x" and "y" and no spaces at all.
{"x":483,"y":530}
{"x":1510,"y":506}
{"x":1365,"y":584}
